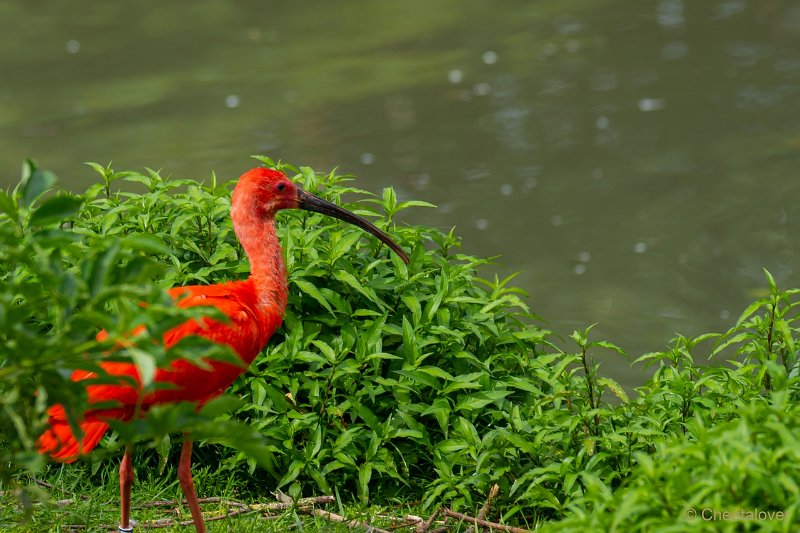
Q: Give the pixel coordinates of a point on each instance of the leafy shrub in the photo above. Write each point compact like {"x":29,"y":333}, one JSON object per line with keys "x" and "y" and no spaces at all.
{"x":724,"y":439}
{"x":732,"y":476}
{"x":387,"y":380}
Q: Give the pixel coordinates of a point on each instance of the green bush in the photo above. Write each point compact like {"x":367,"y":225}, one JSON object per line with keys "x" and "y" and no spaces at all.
{"x":725,"y":439}
{"x":387,"y":380}
{"x":746,"y":468}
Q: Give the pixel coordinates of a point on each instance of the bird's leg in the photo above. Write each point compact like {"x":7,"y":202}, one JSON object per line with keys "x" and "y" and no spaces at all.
{"x":125,"y":482}
{"x":187,"y":485}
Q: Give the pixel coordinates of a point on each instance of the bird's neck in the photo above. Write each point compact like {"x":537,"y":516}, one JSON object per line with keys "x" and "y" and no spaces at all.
{"x":267,"y":270}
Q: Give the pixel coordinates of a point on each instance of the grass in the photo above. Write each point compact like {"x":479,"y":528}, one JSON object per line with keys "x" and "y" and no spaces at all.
{"x":73,"y":495}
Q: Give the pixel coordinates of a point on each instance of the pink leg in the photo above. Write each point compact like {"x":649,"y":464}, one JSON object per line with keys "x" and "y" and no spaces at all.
{"x":187,"y":485}
{"x":125,"y":482}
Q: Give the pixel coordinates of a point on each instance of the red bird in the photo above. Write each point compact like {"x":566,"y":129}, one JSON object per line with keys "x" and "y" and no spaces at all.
{"x":254,"y":307}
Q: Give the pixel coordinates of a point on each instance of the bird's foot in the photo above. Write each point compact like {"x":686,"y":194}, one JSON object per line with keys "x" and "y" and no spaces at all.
{"x":128,"y":529}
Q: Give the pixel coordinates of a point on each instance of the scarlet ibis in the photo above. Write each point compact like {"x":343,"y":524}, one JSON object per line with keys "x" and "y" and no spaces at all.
{"x":254,"y":308}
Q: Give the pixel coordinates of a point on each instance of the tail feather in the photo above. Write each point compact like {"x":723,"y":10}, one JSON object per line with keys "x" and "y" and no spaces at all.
{"x":59,"y":442}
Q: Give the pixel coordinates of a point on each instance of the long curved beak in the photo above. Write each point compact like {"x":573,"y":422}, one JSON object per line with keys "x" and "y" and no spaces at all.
{"x":309,"y":202}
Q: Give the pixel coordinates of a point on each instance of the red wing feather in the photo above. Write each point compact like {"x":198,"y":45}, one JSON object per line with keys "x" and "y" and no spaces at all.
{"x":60,"y":443}
{"x":246,"y":333}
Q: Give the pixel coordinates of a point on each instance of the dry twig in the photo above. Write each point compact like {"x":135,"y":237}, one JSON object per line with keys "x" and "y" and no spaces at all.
{"x":425,"y":526}
{"x":352,"y":524}
{"x":484,"y":511}
{"x":484,"y":523}
{"x":307,"y":505}
{"x":168,"y":503}
{"x":303,"y":504}
{"x":43,"y":483}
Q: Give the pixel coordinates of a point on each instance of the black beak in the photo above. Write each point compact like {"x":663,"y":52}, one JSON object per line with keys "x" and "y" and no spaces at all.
{"x":309,"y":202}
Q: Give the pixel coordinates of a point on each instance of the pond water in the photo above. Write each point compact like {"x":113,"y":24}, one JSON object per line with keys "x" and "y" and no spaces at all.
{"x":635,"y":161}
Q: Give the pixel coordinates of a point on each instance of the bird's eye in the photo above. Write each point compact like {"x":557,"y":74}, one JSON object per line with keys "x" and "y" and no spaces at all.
{"x":280,"y":187}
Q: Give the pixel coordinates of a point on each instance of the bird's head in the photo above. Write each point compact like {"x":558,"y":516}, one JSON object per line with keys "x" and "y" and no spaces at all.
{"x":262,"y":192}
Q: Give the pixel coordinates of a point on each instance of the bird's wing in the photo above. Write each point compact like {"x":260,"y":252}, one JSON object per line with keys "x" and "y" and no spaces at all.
{"x":246,"y":331}
{"x":58,"y":441}
{"x":119,"y":401}
{"x":231,"y":299}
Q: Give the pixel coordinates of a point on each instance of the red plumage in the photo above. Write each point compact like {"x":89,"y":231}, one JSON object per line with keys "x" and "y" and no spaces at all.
{"x":247,"y":333}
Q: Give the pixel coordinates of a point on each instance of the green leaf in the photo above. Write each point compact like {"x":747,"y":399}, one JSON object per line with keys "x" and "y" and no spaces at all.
{"x":610,"y":346}
{"x":413,"y":203}
{"x":326,"y":350}
{"x":771,"y":281}
{"x":100,"y":169}
{"x":364,"y":475}
{"x":145,"y":363}
{"x":440,"y":409}
{"x":37,"y":183}
{"x":436,"y":372}
{"x":102,"y":268}
{"x":341,"y":245}
{"x":8,"y":206}
{"x":389,"y":201}
{"x":750,"y":310}
{"x":146,"y":242}
{"x":315,"y":293}
{"x":265,"y":160}
{"x":279,"y":401}
{"x":782,"y":327}
{"x":422,"y":378}
{"x":480,"y":400}
{"x":449,"y":446}
{"x":350,"y":280}
{"x":409,"y":341}
{"x":412,"y":302}
{"x":367,"y":416}
{"x":55,"y":209}
{"x":615,"y":387}
{"x":291,"y":473}
{"x":222,"y":405}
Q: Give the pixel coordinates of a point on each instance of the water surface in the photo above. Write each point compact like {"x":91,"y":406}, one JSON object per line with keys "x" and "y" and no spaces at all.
{"x":636,"y":161}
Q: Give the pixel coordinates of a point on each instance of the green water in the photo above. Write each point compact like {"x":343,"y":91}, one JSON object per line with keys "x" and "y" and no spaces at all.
{"x":637,"y":161}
